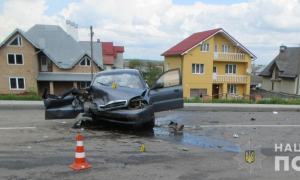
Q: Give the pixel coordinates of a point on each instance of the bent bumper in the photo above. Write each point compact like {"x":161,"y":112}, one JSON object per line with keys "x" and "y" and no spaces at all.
{"x":134,"y":117}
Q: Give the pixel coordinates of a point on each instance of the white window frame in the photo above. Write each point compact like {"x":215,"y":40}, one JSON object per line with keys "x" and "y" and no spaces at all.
{"x":85,"y":64}
{"x":226,"y":48}
{"x":232,"y":68}
{"x":84,"y":84}
{"x":168,"y":66}
{"x":216,"y":48}
{"x":20,"y":41}
{"x":15,"y":58}
{"x":48,"y":61}
{"x":17,"y":83}
{"x":195,"y":70}
{"x":234,"y":89}
{"x":205,"y":47}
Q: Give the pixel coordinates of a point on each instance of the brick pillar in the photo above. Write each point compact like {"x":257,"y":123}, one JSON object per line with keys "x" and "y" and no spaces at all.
{"x":257,"y":97}
{"x":51,"y":90}
{"x":247,"y":97}
{"x":206,"y":98}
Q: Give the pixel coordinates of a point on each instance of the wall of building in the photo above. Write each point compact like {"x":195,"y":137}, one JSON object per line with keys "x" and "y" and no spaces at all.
{"x":204,"y":81}
{"x":25,"y":70}
{"x":61,"y":87}
{"x":118,"y":61}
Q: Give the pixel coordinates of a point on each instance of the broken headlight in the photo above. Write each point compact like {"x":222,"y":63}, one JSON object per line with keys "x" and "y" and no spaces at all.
{"x":137,"y":103}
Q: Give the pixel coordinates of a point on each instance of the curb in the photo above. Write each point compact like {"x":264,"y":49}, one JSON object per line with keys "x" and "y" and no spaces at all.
{"x":39,"y":105}
{"x":239,"y":107}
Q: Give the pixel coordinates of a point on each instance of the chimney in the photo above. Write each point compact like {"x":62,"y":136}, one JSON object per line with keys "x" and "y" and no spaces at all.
{"x":76,"y":32}
{"x":282,"y":51}
{"x":282,"y":48}
{"x":72,"y":29}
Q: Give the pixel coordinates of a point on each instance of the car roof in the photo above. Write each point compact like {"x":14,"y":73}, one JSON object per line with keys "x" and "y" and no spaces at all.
{"x":119,"y":71}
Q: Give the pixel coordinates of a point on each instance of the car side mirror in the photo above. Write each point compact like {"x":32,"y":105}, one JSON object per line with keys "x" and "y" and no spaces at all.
{"x":157,"y":85}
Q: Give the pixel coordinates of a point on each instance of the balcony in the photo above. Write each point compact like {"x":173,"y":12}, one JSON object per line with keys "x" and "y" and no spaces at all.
{"x":230,"y":78}
{"x":229,"y":56}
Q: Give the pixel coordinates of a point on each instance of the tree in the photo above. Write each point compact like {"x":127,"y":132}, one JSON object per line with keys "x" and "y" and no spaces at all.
{"x":149,"y":71}
{"x":152,"y":74}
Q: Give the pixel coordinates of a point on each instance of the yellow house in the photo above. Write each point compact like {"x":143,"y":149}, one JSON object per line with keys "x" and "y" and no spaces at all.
{"x":212,"y":63}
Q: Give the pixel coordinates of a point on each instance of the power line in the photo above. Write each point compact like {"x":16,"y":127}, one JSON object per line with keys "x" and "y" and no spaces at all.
{"x":165,"y":37}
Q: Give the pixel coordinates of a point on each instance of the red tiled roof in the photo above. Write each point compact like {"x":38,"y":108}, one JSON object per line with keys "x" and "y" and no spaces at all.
{"x":195,"y":39}
{"x":189,"y":42}
{"x":118,"y":49}
{"x":108,"y":47}
{"x":108,"y":60}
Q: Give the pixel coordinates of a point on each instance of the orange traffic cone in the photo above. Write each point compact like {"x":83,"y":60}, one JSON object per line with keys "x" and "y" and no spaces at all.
{"x":80,"y":162}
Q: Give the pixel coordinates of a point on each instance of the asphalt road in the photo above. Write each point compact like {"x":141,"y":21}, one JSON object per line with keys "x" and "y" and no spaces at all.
{"x":32,"y":148}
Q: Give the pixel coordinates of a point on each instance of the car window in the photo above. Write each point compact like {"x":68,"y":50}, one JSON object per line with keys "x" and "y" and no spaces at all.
{"x":121,"y":80}
{"x":169,"y":79}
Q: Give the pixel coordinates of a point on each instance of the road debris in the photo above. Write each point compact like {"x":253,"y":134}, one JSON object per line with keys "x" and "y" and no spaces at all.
{"x":235,"y":136}
{"x":174,"y":127}
{"x":181,"y":149}
{"x":196,"y":128}
{"x":275,"y":112}
{"x":252,"y":119}
{"x":158,"y":125}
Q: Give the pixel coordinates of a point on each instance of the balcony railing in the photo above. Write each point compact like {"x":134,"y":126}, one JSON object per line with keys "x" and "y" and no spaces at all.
{"x":229,"y":56}
{"x":230,"y":78}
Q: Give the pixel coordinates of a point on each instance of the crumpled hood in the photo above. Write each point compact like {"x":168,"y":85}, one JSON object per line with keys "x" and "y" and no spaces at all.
{"x":102,"y":94}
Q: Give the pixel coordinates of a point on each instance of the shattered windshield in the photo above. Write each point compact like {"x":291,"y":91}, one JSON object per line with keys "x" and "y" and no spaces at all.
{"x":121,"y":80}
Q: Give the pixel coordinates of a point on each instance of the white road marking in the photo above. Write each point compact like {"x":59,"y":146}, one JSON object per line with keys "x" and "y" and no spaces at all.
{"x":12,"y":128}
{"x":208,"y":126}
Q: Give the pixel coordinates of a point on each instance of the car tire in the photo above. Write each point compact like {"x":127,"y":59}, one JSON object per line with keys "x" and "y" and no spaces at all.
{"x":151,"y":123}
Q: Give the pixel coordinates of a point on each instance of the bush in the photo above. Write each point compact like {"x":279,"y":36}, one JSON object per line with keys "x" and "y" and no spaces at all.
{"x":29,"y":97}
{"x":244,"y":101}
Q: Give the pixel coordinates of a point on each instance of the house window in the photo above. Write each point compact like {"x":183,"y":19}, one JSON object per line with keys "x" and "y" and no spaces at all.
{"x":15,"y":59}
{"x":17,"y":83}
{"x":17,"y":41}
{"x":232,"y":89}
{"x":230,"y":69}
{"x":85,"y":62}
{"x":198,"y":68}
{"x":205,"y":47}
{"x":84,"y":85}
{"x":216,"y":48}
{"x":168,"y":66}
{"x":226,"y":48}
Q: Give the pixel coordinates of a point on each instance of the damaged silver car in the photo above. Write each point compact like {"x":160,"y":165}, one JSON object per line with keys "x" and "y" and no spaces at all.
{"x":119,"y":96}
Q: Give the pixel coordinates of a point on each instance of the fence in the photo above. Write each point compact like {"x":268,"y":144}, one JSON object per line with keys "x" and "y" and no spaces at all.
{"x":266,"y":94}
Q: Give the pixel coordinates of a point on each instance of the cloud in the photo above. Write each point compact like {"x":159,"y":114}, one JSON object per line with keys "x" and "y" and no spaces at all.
{"x":148,"y":28}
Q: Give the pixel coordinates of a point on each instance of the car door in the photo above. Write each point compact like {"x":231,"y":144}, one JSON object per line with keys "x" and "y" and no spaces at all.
{"x":167,"y":93}
{"x":65,"y":106}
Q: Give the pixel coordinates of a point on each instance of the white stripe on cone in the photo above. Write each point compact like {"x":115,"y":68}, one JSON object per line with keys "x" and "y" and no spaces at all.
{"x":79,"y":155}
{"x":79,"y":143}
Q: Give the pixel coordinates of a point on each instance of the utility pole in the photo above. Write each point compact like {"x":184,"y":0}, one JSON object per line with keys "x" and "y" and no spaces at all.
{"x":92,"y":33}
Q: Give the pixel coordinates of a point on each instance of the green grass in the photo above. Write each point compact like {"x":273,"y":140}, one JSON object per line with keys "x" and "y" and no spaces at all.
{"x":28,"y":97}
{"x":244,"y":101}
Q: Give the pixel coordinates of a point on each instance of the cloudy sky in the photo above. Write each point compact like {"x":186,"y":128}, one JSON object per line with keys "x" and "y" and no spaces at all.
{"x":147,"y":28}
